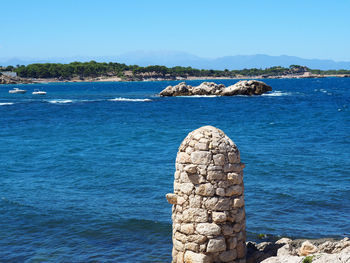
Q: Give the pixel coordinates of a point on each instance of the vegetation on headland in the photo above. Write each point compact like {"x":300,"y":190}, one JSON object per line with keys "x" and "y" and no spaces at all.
{"x":95,"y":69}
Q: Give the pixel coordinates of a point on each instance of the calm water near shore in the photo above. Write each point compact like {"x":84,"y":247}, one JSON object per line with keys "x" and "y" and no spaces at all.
{"x":84,"y":169}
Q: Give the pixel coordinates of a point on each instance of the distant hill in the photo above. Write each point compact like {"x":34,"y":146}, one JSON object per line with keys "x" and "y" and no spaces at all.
{"x":173,"y":58}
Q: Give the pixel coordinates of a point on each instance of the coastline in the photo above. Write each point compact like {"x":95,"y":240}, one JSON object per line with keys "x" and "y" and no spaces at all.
{"x":4,"y":80}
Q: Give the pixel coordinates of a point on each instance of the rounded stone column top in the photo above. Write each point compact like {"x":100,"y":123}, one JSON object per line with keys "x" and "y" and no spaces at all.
{"x":205,"y":145}
{"x":208,"y":200}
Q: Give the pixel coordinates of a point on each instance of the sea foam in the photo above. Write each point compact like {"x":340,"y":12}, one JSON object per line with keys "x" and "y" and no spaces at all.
{"x":199,"y":96}
{"x":277,"y":94}
{"x":59,"y":101}
{"x":128,"y":99}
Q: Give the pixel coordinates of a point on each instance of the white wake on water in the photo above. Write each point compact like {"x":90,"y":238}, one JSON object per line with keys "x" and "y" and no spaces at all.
{"x":59,"y":101}
{"x":277,"y":94}
{"x":199,"y":96}
{"x":6,"y":103}
{"x":127,"y":99}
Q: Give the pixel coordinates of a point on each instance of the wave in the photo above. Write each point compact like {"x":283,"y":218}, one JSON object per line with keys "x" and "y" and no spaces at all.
{"x":59,"y":101}
{"x":199,"y":96}
{"x":6,"y":103}
{"x":277,"y":94}
{"x":127,"y":99}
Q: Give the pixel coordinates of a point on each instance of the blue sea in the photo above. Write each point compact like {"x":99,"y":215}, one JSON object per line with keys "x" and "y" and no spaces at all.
{"x":84,"y":170}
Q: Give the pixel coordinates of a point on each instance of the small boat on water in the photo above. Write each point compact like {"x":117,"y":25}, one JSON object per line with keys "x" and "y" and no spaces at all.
{"x":39,"y":92}
{"x":17,"y":90}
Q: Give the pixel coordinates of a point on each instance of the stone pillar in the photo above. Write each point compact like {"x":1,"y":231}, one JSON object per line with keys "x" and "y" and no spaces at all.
{"x":208,"y":201}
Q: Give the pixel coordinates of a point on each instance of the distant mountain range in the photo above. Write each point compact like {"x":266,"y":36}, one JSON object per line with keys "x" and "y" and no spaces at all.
{"x":173,"y":58}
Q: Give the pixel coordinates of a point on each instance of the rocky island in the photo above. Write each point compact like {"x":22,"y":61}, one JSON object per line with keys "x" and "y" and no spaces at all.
{"x":244,"y":87}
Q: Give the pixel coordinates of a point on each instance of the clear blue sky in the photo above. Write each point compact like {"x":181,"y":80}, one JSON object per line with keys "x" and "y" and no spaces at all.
{"x":66,"y":28}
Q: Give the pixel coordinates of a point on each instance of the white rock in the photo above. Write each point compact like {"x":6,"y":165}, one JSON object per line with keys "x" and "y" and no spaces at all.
{"x":284,"y":259}
{"x":307,"y":248}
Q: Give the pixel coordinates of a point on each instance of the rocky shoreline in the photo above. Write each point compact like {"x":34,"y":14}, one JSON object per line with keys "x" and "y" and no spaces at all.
{"x":13,"y":80}
{"x":244,"y":87}
{"x":286,"y":250}
{"x":17,"y":80}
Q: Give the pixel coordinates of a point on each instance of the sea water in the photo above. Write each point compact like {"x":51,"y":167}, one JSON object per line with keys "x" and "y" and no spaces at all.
{"x":84,"y":170}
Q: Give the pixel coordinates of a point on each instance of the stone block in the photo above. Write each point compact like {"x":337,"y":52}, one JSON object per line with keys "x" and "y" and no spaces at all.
{"x":201,"y":157}
{"x":232,"y":242}
{"x":218,"y":204}
{"x":240,"y":249}
{"x":195,"y":201}
{"x":172,"y":198}
{"x":227,"y":230}
{"x":218,"y":217}
{"x":181,"y":237}
{"x":202,"y":146}
{"x":189,"y":150}
{"x":186,"y":188}
{"x":187,"y":229}
{"x":199,"y":239}
{"x":233,"y":167}
{"x":228,"y":255}
{"x":219,"y":159}
{"x":216,"y":244}
{"x":208,"y":229}
{"x":192,"y":257}
{"x":205,"y":189}
{"x":238,"y":202}
{"x":220,"y":191}
{"x":190,"y":168}
{"x":234,"y":190}
{"x":196,"y":178}
{"x":178,"y":245}
{"x":192,"y":246}
{"x":180,"y":257}
{"x":235,"y":178}
{"x":183,"y":157}
{"x":237,"y":227}
{"x":215,"y":175}
{"x":195,"y":215}
{"x":233,"y":157}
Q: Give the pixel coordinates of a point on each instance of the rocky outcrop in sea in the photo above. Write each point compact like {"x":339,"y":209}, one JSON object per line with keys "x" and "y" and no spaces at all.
{"x":244,"y":87}
{"x":286,"y":250}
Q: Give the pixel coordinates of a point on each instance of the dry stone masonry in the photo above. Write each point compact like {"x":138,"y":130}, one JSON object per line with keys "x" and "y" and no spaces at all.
{"x":208,"y":201}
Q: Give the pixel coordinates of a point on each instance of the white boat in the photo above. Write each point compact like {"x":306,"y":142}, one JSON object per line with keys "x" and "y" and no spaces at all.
{"x":39,"y":92}
{"x":17,"y":90}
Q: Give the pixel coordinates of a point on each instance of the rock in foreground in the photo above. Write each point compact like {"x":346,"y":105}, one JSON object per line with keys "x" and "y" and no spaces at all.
{"x":244,"y":87}
{"x":295,"y":251}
